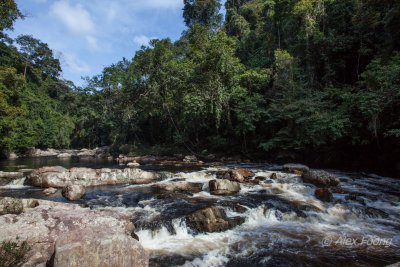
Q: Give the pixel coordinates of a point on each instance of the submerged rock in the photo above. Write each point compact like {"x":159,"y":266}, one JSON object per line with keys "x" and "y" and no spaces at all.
{"x":324,"y":194}
{"x":320,"y":178}
{"x":295,"y":168}
{"x":223,"y":187}
{"x":73,"y":192}
{"x":212,"y":219}
{"x":179,"y":186}
{"x":60,"y":177}
{"x":103,"y":236}
{"x":50,"y":191}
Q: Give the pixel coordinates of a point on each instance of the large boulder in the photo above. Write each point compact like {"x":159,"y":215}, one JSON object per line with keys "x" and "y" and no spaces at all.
{"x":100,"y":231}
{"x":212,"y":219}
{"x":73,"y":192}
{"x":98,"y":248}
{"x":295,"y":168}
{"x":324,"y":194}
{"x":223,"y":187}
{"x":320,"y":178}
{"x":59,"y":177}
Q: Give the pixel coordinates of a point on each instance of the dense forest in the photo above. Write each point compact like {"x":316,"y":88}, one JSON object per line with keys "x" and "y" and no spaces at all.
{"x":316,"y":81}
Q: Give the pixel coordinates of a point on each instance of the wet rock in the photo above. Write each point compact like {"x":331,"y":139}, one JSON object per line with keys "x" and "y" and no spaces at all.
{"x":64,"y":155}
{"x":11,"y":175}
{"x":223,"y":187}
{"x":210,"y":157}
{"x":12,"y":156}
{"x":10,"y":205}
{"x":238,"y":175}
{"x":25,"y":170}
{"x":60,"y":177}
{"x":320,"y":178}
{"x":101,"y":247}
{"x":45,"y":225}
{"x":50,"y":191}
{"x":86,"y":153}
{"x":211,"y":220}
{"x":274,"y":176}
{"x":324,"y":194}
{"x":133,"y":164}
{"x":179,"y":186}
{"x":375,"y":213}
{"x":256,"y":180}
{"x":337,"y":189}
{"x":73,"y":192}
{"x":190,"y":158}
{"x":292,"y":167}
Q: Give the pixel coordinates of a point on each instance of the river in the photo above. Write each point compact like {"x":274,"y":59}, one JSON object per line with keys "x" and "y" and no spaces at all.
{"x":284,"y":224}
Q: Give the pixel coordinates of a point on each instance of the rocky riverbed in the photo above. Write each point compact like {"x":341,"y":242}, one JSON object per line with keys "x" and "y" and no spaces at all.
{"x":190,"y":213}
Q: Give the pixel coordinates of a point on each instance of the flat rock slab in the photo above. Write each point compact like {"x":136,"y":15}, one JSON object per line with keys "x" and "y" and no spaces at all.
{"x":59,"y":177}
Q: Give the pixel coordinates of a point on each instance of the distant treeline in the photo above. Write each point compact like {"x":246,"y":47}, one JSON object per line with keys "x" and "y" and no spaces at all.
{"x":316,"y":81}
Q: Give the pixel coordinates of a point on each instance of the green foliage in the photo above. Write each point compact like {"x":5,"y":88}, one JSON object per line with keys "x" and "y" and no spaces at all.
{"x":9,"y":13}
{"x":13,"y":253}
{"x":281,"y":77}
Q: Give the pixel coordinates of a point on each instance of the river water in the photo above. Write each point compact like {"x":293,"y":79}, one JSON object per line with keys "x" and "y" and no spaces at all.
{"x":285,"y":225}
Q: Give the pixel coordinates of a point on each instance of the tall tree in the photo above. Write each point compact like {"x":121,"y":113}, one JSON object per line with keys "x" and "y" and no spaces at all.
{"x":203,"y":12}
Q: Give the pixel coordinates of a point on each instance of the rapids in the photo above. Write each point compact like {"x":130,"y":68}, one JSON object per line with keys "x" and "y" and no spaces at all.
{"x":285,"y":225}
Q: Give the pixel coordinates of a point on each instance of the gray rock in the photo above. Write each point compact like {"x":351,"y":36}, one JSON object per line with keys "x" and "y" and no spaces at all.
{"x":98,"y":248}
{"x":11,"y":175}
{"x":43,"y":226}
{"x":12,"y":156}
{"x":50,"y":191}
{"x":320,"y":178}
{"x":191,"y":158}
{"x":59,"y":177}
{"x":223,"y":187}
{"x":179,"y":186}
{"x":10,"y":205}
{"x":73,"y":192}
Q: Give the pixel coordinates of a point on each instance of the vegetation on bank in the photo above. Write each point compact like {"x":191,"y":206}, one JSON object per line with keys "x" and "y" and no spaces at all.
{"x":13,"y":253}
{"x":309,"y":80}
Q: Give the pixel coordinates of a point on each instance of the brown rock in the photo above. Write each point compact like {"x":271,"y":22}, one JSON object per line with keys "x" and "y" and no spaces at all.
{"x":223,"y":187}
{"x":299,"y":168}
{"x":212,"y":219}
{"x":73,"y":192}
{"x":179,"y":186}
{"x":324,"y":194}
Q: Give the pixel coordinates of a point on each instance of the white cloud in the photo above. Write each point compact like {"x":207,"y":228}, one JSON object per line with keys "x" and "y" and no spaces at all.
{"x":76,"y":65}
{"x":75,"y":18}
{"x":92,"y":42}
{"x":142,"y":40}
{"x":161,"y":3}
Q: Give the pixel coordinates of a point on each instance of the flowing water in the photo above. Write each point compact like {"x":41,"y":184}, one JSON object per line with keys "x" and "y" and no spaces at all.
{"x":285,"y":225}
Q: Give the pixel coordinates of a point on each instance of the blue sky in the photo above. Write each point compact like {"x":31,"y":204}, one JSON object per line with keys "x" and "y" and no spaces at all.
{"x":88,"y":35}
